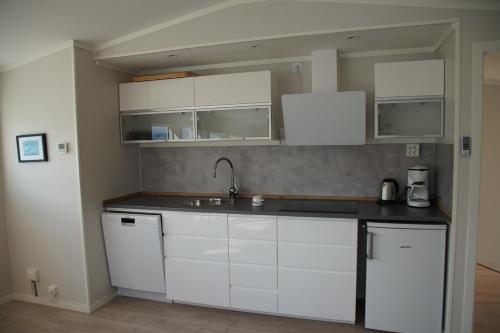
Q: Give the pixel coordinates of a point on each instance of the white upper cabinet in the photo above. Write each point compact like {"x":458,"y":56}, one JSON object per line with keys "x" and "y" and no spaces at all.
{"x":172,"y":94}
{"x":233,"y":89}
{"x":409,"y":79}
{"x":161,"y":94}
{"x":135,"y":96}
{"x":409,"y":99}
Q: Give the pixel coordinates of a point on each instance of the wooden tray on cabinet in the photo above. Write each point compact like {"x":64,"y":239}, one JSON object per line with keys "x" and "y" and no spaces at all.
{"x":164,"y":76}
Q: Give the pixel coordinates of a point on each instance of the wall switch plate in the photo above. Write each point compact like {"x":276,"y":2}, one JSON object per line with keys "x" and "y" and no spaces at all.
{"x":413,"y":150}
{"x":63,"y":147}
{"x":466,"y":146}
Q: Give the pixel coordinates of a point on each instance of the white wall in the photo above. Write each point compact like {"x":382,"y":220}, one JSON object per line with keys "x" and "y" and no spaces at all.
{"x":42,"y":200}
{"x":107,"y":168}
{"x":5,"y":284}
{"x":488,"y":247}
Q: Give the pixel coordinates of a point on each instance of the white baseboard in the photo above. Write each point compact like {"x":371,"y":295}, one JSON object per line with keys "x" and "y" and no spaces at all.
{"x":103,"y":300}
{"x":5,"y":299}
{"x":159,"y":297}
{"x":60,"y":303}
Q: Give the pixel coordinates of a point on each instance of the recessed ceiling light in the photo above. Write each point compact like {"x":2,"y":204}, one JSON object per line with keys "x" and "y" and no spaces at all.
{"x":255,"y":46}
{"x":172,"y":56}
{"x":352,"y":37}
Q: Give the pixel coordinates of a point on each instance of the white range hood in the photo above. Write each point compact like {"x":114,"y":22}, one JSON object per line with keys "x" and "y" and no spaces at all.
{"x":326,"y":116}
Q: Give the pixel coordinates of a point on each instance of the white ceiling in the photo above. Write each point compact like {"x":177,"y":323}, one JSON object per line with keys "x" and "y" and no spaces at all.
{"x":416,"y":37}
{"x":29,"y":27}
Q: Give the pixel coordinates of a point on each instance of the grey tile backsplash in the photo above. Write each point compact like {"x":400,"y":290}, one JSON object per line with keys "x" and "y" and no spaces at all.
{"x":292,"y":170}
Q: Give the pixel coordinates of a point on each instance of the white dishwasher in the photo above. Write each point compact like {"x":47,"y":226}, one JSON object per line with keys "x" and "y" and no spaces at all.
{"x":134,"y":250}
{"x":405,"y":269}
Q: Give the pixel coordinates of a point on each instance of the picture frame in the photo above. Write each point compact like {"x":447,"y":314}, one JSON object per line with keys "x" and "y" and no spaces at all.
{"x":32,"y":148}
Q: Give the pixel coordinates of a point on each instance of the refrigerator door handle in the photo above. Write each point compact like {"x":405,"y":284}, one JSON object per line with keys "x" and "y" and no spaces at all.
{"x":369,"y":246}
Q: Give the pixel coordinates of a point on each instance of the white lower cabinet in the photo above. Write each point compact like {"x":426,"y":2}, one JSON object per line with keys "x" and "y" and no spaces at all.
{"x":317,"y":294}
{"x":251,"y":299}
{"x":317,"y":268}
{"x":293,"y":266}
{"x":253,"y":263}
{"x":196,"y":258}
{"x":198,"y":281}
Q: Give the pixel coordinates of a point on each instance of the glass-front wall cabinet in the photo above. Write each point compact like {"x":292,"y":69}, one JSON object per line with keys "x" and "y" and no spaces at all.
{"x":409,"y":118}
{"x":233,"y":123}
{"x":157,"y":126}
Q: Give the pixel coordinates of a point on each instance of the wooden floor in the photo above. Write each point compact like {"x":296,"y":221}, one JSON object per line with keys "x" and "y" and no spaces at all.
{"x":487,"y":301}
{"x":124,"y":315}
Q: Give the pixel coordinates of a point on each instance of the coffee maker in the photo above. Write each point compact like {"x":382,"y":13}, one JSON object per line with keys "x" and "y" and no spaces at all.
{"x":417,"y":194}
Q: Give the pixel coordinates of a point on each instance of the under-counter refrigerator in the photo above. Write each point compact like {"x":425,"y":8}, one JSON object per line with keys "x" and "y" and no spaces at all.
{"x":405,"y":276}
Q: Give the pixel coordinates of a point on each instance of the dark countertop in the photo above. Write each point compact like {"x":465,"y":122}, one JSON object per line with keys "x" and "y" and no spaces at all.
{"x":366,"y":210}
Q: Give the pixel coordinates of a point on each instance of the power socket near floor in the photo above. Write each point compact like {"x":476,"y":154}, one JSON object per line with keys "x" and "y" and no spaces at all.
{"x":53,"y":291}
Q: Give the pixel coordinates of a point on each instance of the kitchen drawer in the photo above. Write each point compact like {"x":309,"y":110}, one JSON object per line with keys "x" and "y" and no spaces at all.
{"x":195,"y":224}
{"x":254,"y":276}
{"x":253,"y":252}
{"x":197,"y":281}
{"x":254,"y":299}
{"x":318,"y":230}
{"x":317,"y":294}
{"x":196,"y":247}
{"x":318,"y":256}
{"x":252,"y":227}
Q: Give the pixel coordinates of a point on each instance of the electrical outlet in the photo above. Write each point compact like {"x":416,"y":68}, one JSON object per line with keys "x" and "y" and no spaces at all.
{"x":33,"y":274}
{"x":413,"y":150}
{"x":53,"y":291}
{"x":297,"y":67}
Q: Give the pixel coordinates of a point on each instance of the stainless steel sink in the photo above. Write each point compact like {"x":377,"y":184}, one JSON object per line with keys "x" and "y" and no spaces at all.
{"x":209,"y":202}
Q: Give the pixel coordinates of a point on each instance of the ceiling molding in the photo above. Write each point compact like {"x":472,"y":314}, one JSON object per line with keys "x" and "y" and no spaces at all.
{"x":444,"y":37}
{"x":45,"y":53}
{"x":277,"y":36}
{"x":380,"y":53}
{"x":441,"y":4}
{"x":170,"y":23}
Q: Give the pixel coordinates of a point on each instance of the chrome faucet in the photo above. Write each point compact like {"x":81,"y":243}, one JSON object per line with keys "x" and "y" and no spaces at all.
{"x":233,"y":191}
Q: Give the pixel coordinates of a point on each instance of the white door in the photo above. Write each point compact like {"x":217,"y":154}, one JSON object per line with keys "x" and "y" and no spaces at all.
{"x":196,"y":252}
{"x":405,"y":277}
{"x":253,"y":263}
{"x":135,"y":96}
{"x":317,"y":268}
{"x":134,"y":251}
{"x":232,"y":89}
{"x":171,"y":94}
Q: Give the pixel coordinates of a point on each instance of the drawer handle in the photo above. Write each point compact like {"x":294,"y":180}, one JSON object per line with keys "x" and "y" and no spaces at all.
{"x":128,"y":221}
{"x":369,"y":247}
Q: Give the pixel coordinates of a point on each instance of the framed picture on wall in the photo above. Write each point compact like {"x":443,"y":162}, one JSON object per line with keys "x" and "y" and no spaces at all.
{"x":32,"y":148}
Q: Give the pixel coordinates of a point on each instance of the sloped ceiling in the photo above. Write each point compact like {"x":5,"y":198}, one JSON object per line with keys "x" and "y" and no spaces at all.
{"x":29,"y":27}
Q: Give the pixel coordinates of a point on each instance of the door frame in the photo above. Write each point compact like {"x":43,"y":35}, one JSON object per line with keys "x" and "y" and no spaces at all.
{"x":479,"y":50}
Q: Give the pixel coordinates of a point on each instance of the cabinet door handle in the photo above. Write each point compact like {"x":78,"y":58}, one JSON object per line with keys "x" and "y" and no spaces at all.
{"x":128,"y":221}
{"x":369,"y":246}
